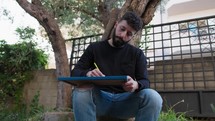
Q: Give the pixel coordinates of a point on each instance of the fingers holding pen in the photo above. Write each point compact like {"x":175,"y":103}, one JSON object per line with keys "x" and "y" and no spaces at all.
{"x":95,"y":72}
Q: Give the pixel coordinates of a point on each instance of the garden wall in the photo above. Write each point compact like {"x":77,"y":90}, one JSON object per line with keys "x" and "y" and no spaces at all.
{"x":197,"y":94}
{"x":44,"y":81}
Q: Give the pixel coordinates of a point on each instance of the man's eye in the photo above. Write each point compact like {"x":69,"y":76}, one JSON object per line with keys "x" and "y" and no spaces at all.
{"x":122,"y":29}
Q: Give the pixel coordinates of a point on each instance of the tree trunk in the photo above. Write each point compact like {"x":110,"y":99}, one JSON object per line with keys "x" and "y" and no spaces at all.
{"x":36,"y":10}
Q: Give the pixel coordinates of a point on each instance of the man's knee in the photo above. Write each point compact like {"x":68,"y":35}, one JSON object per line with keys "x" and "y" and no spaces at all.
{"x":81,"y":94}
{"x":152,"y":96}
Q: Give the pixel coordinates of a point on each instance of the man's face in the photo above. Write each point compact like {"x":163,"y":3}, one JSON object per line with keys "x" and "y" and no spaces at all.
{"x":122,"y":34}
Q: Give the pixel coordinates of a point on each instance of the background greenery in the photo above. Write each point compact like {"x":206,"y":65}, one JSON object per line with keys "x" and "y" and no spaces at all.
{"x":17,"y":61}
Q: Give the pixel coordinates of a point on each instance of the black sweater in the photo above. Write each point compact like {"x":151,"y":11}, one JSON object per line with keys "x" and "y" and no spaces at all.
{"x":112,"y":61}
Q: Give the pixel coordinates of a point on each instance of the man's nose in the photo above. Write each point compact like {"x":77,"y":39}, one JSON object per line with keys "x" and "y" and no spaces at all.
{"x":123,"y":34}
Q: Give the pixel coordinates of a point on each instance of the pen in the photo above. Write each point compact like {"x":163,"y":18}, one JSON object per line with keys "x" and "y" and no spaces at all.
{"x":96,"y":66}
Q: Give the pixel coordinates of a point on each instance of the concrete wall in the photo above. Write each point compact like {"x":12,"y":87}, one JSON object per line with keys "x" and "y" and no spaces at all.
{"x":45,"y":82}
{"x":185,"y":74}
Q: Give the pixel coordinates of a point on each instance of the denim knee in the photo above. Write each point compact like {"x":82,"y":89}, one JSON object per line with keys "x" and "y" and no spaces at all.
{"x":152,"y":98}
{"x":82,"y":96}
{"x":83,"y":106}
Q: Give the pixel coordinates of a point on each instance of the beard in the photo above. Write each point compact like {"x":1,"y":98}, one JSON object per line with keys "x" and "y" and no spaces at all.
{"x":117,"y":41}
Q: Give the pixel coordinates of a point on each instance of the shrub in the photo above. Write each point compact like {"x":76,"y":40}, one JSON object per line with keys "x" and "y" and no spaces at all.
{"x":16,"y":63}
{"x":34,"y":113}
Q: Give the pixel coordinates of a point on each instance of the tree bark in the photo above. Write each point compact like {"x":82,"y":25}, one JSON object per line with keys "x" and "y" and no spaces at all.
{"x":110,"y":25}
{"x":148,"y":14}
{"x":50,"y":25}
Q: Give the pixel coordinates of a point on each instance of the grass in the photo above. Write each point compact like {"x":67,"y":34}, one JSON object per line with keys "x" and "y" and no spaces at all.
{"x":213,"y":107}
{"x":20,"y":114}
{"x":36,"y":113}
{"x":23,"y":115}
{"x":171,"y":115}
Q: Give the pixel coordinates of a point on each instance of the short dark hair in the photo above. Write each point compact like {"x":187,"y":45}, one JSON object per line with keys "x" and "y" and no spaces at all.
{"x":133,"y":20}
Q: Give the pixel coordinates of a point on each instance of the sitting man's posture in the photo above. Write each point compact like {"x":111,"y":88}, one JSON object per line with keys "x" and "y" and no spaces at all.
{"x":116,"y":57}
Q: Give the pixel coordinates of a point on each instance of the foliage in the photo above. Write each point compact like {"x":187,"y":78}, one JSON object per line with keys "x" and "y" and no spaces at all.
{"x":35,"y":107}
{"x":82,"y":15}
{"x":25,"y":33}
{"x":69,"y":13}
{"x":6,"y":15}
{"x":143,"y":44}
{"x":212,"y":107}
{"x":34,"y":113}
{"x":17,"y":61}
{"x":171,"y":115}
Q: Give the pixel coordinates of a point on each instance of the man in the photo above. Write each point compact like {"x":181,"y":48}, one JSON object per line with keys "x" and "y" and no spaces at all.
{"x":116,"y":57}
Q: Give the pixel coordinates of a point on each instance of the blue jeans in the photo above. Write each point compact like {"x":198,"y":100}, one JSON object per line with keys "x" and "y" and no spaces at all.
{"x":144,"y":105}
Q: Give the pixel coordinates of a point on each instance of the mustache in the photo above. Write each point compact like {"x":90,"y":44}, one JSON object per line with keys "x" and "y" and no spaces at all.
{"x":118,"y":38}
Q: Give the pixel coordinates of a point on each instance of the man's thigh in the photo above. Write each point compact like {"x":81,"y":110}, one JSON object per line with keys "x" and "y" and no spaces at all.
{"x":123,"y":105}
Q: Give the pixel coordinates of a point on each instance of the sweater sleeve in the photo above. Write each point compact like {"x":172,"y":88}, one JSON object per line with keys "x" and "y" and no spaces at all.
{"x":141,"y":71}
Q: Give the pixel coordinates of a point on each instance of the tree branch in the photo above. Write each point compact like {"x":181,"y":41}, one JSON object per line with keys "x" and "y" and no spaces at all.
{"x":93,"y":15}
{"x":104,"y":9}
{"x":149,"y":12}
{"x":36,"y":2}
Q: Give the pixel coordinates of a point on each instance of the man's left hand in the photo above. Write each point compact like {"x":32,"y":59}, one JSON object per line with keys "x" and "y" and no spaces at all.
{"x":130,"y":85}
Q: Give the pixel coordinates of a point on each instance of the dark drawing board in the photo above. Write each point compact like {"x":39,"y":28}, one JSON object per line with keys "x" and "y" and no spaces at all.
{"x":101,"y":80}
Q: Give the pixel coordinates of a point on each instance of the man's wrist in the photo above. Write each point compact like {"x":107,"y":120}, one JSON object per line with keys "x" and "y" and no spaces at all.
{"x":138,"y":86}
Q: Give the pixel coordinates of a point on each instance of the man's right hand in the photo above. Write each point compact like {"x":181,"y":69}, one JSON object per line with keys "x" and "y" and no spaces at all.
{"x":94,"y":73}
